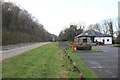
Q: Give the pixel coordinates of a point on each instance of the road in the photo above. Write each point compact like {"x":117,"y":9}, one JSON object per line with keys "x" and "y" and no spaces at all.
{"x":19,"y":50}
{"x":8,"y":47}
{"x":104,"y":64}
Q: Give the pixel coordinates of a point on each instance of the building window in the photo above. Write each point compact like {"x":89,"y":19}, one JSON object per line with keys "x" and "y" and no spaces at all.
{"x":107,"y":40}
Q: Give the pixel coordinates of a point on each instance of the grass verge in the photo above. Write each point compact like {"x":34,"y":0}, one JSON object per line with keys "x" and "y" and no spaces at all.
{"x":91,"y":51}
{"x":83,"y":67}
{"x":47,"y":61}
{"x":116,"y":45}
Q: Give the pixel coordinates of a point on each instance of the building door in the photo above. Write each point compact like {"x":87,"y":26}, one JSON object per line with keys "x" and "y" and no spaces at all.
{"x":92,"y":39}
{"x":103,"y":41}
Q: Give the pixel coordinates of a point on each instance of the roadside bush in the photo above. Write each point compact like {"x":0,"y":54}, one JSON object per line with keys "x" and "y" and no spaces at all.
{"x":84,"y":47}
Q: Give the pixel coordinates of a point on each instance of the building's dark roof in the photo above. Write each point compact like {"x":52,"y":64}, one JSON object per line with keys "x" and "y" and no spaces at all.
{"x":91,"y":33}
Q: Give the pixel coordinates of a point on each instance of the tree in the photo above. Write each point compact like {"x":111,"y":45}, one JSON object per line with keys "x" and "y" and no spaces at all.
{"x":90,"y":27}
{"x":69,"y":33}
{"x":106,"y":27}
{"x":0,"y":23}
{"x":19,"y":26}
{"x":118,"y":38}
{"x":97,"y":27}
{"x":109,"y":27}
{"x":110,"y":24}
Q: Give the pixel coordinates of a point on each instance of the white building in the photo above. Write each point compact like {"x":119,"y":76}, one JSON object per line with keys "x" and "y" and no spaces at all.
{"x":95,"y":36}
{"x":105,"y":39}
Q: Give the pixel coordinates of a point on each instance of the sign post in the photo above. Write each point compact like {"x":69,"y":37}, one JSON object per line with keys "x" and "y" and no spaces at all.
{"x":74,"y":46}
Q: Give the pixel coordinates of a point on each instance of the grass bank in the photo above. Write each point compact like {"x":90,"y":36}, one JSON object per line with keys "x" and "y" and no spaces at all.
{"x":48,"y":61}
{"x":116,"y":45}
{"x":83,"y":67}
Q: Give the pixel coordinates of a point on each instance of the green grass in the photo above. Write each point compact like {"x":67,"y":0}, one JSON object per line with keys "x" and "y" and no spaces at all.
{"x":0,"y":70}
{"x":82,"y":66}
{"x":116,"y":45}
{"x":47,"y":61}
{"x":68,"y":67}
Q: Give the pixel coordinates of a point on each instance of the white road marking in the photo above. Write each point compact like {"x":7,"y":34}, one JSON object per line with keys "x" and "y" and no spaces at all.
{"x":95,"y":65}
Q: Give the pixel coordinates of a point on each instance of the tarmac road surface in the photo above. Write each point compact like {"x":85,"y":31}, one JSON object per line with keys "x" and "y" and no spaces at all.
{"x":104,"y":64}
{"x":5,"y":54}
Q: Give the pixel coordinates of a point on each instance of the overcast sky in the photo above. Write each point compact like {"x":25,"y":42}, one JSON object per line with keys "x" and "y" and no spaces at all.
{"x":55,"y":15}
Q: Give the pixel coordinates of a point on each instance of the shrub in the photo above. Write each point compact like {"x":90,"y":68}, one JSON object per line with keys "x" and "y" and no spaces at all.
{"x":84,"y":47}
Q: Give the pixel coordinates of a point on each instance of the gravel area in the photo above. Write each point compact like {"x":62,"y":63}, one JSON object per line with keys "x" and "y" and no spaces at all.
{"x":63,"y":45}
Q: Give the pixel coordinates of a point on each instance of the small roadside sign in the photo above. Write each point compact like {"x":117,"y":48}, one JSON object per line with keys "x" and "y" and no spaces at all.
{"x":74,"y":46}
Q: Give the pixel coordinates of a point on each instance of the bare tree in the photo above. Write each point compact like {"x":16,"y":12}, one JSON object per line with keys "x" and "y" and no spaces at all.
{"x":90,"y":27}
{"x":104,"y":27}
{"x":108,"y":26}
{"x":97,"y":27}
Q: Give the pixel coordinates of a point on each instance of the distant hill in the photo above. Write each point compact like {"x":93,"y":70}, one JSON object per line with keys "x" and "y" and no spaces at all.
{"x":19,"y":26}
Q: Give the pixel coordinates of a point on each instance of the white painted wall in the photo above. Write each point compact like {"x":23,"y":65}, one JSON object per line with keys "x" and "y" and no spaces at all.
{"x":100,"y":39}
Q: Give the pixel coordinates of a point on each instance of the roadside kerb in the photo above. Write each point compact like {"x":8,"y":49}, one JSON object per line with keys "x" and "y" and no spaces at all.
{"x":82,"y":77}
